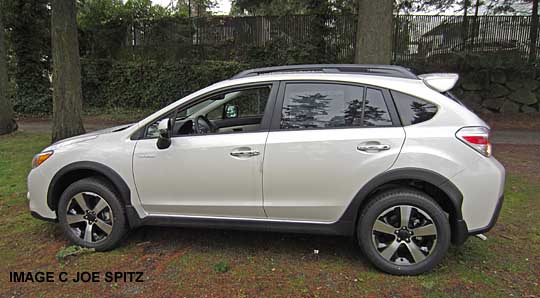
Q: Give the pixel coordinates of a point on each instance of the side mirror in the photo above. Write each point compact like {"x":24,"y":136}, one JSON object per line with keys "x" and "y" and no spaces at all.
{"x":164,"y":128}
{"x":231,"y":112}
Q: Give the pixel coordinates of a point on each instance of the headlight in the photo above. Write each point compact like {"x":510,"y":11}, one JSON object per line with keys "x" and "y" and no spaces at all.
{"x":40,"y":158}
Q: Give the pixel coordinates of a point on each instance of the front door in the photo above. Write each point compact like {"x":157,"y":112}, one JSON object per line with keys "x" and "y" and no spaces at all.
{"x":213,"y":169}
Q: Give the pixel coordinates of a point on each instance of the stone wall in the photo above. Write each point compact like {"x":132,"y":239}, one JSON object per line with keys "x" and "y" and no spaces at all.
{"x":500,"y":90}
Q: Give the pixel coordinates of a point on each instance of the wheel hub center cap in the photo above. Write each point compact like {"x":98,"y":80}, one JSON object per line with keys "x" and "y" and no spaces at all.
{"x":90,"y":216}
{"x":403,"y":234}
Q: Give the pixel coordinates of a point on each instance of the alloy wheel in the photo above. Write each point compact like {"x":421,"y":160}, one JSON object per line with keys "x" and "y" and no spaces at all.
{"x":89,"y":217}
{"x":404,"y":235}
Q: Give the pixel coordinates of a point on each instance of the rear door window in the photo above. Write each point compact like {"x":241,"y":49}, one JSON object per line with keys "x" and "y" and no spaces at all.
{"x":329,"y":105}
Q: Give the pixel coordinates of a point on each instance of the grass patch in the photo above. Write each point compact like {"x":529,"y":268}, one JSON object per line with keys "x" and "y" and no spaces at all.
{"x":221,"y":267}
{"x":71,"y":251}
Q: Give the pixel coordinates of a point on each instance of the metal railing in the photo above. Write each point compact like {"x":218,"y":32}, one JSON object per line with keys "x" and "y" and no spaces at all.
{"x":416,"y":38}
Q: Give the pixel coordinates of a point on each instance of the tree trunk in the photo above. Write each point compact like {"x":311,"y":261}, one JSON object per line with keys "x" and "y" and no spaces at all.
{"x":67,"y":94}
{"x":476,"y":24}
{"x":533,"y":35}
{"x":7,"y":123}
{"x":465,"y":23}
{"x":374,"y":32}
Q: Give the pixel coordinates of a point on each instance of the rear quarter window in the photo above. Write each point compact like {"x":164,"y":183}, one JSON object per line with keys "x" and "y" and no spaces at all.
{"x":413,"y":110}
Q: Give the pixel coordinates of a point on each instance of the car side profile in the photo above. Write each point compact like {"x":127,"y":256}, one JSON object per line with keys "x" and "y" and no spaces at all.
{"x":373,"y":152}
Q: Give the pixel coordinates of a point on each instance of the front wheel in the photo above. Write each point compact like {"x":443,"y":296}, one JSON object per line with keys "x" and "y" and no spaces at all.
{"x":403,"y":232}
{"x":91,"y":214}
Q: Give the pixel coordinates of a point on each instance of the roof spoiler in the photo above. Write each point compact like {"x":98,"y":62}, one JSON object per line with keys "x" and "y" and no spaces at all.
{"x":441,"y":82}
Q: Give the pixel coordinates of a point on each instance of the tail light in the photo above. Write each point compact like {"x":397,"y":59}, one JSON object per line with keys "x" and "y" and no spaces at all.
{"x":476,"y":138}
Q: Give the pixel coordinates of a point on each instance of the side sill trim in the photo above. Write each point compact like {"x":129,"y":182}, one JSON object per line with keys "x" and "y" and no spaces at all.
{"x":241,"y":219}
{"x":338,"y":228}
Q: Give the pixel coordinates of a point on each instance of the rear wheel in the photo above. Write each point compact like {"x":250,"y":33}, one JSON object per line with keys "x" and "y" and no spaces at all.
{"x":403,"y":232}
{"x":91,"y":214}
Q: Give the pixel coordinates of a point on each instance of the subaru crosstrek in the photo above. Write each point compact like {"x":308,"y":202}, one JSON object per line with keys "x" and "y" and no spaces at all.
{"x":374,"y":152}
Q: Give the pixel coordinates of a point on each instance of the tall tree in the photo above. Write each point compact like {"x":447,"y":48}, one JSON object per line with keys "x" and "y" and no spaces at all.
{"x":374,"y":32}
{"x":67,"y":94}
{"x":7,"y":124}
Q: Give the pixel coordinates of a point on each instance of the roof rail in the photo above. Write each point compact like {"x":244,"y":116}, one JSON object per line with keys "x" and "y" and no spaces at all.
{"x":371,"y":69}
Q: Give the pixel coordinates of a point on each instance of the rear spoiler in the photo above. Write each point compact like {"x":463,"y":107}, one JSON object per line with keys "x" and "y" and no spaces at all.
{"x":441,"y":82}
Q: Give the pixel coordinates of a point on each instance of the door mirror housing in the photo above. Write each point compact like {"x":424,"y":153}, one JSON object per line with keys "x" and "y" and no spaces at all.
{"x":164,"y":129}
{"x":231,"y":111}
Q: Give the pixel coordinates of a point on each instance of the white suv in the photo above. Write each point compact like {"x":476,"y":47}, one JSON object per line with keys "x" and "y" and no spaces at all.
{"x":369,"y":151}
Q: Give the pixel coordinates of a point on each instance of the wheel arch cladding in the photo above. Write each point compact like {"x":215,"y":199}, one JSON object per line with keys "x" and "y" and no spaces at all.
{"x":84,"y":169}
{"x":442,"y":190}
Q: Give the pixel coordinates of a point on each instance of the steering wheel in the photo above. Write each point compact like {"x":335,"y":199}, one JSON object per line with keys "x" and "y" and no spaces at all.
{"x":202,"y":125}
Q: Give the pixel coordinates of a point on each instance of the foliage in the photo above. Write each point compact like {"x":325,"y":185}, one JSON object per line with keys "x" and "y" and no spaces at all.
{"x":28,"y":21}
{"x":290,"y":7}
{"x":148,"y":84}
{"x":221,"y":267}
{"x":73,"y":250}
{"x":116,"y":36}
{"x":281,"y":52}
{"x":145,"y":85}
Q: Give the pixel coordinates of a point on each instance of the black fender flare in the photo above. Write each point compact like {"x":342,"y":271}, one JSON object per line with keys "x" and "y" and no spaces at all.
{"x":107,"y":172}
{"x":351,"y":214}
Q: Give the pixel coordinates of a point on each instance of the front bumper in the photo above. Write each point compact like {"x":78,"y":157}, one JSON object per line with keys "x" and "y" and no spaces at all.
{"x":38,"y":183}
{"x":36,"y":215}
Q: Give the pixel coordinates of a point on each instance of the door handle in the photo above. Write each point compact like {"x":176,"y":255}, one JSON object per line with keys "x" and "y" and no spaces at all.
{"x":373,"y":147}
{"x":246,"y":153}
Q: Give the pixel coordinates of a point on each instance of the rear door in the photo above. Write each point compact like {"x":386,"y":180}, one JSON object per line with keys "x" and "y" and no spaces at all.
{"x":326,"y":141}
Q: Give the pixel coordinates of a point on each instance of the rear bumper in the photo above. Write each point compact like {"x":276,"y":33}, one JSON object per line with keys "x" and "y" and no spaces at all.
{"x":482,"y":186}
{"x":460,"y":232}
{"x":493,"y":220}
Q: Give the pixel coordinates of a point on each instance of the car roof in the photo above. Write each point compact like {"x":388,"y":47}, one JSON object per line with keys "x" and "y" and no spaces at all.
{"x":372,"y":69}
{"x":395,"y":83}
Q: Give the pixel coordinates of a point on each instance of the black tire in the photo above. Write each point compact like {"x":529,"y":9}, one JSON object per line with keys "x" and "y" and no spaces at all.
{"x":107,"y":193}
{"x":386,"y":200}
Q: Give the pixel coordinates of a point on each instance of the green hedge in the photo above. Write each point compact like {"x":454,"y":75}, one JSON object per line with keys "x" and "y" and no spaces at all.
{"x":148,"y":84}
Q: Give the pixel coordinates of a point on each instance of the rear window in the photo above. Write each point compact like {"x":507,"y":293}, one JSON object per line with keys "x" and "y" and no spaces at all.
{"x":413,"y":110}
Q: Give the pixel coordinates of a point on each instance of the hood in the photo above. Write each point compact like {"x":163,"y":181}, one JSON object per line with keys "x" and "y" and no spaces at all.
{"x":86,"y":137}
